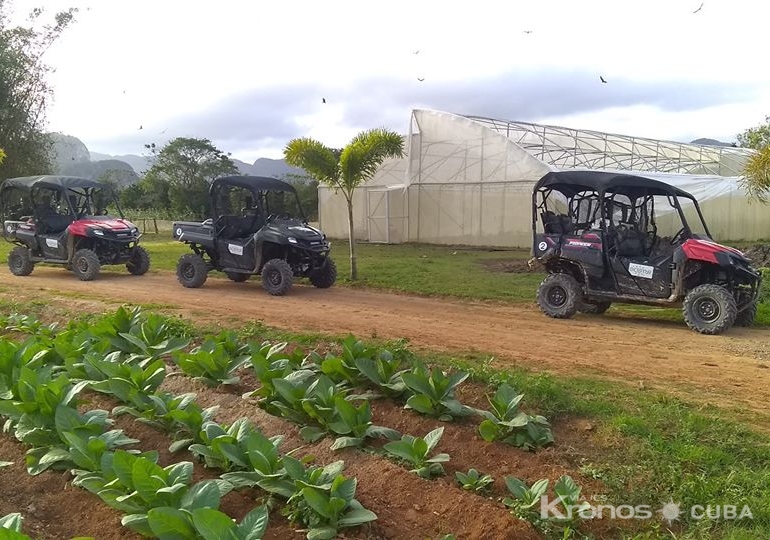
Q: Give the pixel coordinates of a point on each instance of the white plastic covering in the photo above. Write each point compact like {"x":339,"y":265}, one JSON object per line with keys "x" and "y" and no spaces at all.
{"x":468,"y":181}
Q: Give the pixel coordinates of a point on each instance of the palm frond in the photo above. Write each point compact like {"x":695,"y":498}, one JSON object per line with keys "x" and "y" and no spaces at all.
{"x":361,"y":158}
{"x":756,"y":176}
{"x":318,"y":160}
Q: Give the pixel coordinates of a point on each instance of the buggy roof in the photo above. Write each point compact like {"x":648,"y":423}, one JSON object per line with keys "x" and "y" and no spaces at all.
{"x":253,"y":183}
{"x":50,"y":181}
{"x":572,"y":182}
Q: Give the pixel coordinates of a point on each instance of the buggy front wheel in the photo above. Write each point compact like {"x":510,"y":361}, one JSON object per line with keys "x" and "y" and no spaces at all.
{"x":559,"y":296}
{"x":709,"y":309}
{"x":324,"y":277}
{"x":139,"y":263}
{"x":277,"y":277}
{"x":85,"y":264}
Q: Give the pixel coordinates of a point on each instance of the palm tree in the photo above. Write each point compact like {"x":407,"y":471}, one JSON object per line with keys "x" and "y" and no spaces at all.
{"x":346,"y":169}
{"x":756,"y":175}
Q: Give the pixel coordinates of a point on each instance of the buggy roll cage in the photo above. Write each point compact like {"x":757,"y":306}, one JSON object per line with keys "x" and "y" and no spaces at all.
{"x":597,"y":192}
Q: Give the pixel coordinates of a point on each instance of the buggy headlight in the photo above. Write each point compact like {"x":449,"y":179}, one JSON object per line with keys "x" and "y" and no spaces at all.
{"x":98,"y":232}
{"x":292,"y":240}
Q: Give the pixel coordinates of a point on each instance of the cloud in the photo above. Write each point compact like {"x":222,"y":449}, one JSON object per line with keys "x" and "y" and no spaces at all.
{"x":266,"y":118}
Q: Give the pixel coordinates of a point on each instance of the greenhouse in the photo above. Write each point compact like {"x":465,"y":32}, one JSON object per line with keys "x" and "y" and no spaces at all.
{"x":468,"y":181}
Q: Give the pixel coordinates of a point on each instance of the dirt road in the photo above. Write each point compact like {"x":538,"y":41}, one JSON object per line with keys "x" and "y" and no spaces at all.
{"x":729,"y":370}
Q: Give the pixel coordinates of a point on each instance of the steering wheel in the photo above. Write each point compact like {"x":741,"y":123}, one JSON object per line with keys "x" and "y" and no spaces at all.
{"x":677,"y":237}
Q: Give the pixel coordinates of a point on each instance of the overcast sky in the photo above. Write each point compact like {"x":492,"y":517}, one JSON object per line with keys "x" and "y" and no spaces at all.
{"x":250,"y":75}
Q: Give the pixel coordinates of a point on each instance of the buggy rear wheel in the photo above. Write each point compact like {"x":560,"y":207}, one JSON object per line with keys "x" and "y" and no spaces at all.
{"x":709,"y":309}
{"x":237,"y":277}
{"x":559,"y":296}
{"x":191,"y":271}
{"x":325,"y":276}
{"x":139,"y":263}
{"x":19,"y":262}
{"x":277,"y":277}
{"x":85,"y":264}
{"x":747,"y":316}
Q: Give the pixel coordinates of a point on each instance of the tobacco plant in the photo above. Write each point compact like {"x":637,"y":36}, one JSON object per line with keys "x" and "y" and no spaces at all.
{"x":433,"y":392}
{"x":135,"y":484}
{"x":354,"y":423}
{"x":473,"y":480}
{"x":168,"y":523}
{"x":273,"y":362}
{"x":506,"y":423}
{"x":526,"y":504}
{"x":324,"y":500}
{"x":416,"y":451}
{"x":214,"y":362}
{"x":179,"y":415}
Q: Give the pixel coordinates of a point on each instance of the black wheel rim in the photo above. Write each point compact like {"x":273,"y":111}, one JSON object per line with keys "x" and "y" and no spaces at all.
{"x":188,"y":271}
{"x":707,"y":309}
{"x":15,"y":262}
{"x":82,"y":265}
{"x":556,"y":296}
{"x":274,"y":278}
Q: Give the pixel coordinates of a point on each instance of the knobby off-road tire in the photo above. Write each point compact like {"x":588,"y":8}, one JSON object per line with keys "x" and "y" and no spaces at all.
{"x":85,"y":265}
{"x":19,"y":262}
{"x":277,"y":277}
{"x":237,"y":277}
{"x":709,"y":309}
{"x":191,"y":271}
{"x":747,"y":316}
{"x":139,"y":263}
{"x":326,"y":276}
{"x":559,"y":296}
{"x":594,"y":308}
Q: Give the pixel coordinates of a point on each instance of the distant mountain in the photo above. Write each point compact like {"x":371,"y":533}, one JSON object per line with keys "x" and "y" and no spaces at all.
{"x":711,"y":142}
{"x":140,"y":164}
{"x":71,"y":156}
{"x":277,"y":168}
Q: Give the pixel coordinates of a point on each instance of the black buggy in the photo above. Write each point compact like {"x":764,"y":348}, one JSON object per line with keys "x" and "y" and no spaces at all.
{"x":258,"y":227}
{"x":63,"y":220}
{"x":606,"y":237}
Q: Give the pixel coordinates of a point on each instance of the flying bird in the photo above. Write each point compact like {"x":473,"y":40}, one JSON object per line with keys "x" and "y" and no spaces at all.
{"x":700,"y":7}
{"x":602,"y":79}
{"x":140,"y":127}
{"x":420,"y":79}
{"x":323,"y":100}
{"x":527,"y":31}
{"x":416,"y":52}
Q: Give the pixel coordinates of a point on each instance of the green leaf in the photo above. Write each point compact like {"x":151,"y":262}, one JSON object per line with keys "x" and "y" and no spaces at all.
{"x":516,"y":487}
{"x":254,"y":524}
{"x":567,"y":490}
{"x":212,"y":524}
{"x":346,"y":442}
{"x":322,"y":533}
{"x":356,"y":517}
{"x":422,"y":404}
{"x":318,"y":501}
{"x":205,"y":494}
{"x":168,"y":523}
{"x":139,"y":523}
{"x":433,"y":437}
{"x":12,"y":522}
{"x":403,"y":450}
{"x":488,"y":430}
